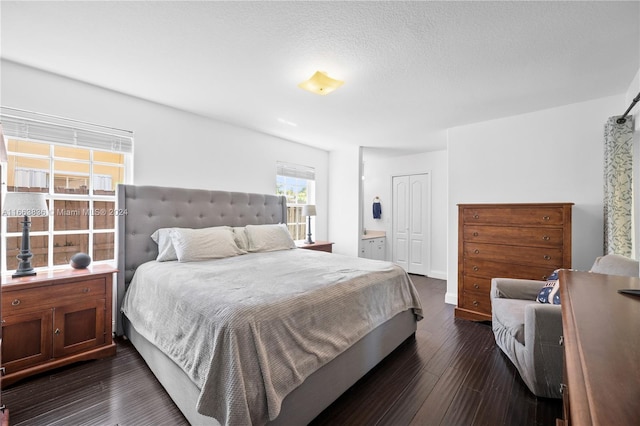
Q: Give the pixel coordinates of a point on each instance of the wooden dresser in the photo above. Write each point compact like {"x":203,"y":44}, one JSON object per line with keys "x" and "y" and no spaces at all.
{"x":508,"y":241}
{"x":4,"y":412}
{"x":602,"y":349}
{"x":55,"y":318}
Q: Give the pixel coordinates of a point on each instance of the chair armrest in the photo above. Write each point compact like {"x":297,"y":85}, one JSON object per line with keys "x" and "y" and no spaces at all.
{"x":544,"y":352}
{"x":615,"y":264}
{"x":515,"y":288}
{"x":543,"y":324}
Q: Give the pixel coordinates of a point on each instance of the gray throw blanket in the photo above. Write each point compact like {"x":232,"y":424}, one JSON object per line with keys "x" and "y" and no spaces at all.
{"x":249,"y":329}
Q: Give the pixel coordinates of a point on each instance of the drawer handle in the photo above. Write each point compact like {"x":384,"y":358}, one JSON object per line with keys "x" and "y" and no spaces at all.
{"x":476,"y":216}
{"x":86,"y":290}
{"x":475,"y":268}
{"x":547,"y":257}
{"x":57,"y":332}
{"x":545,"y":218}
{"x":544,"y":278}
{"x":475,"y":234}
{"x":15,"y":302}
{"x":475,"y":285}
{"x":476,"y":251}
{"x":561,"y":342}
{"x":475,"y":303}
{"x":546,"y":238}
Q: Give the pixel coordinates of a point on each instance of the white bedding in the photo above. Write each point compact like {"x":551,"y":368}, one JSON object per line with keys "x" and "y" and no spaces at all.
{"x":249,"y":329}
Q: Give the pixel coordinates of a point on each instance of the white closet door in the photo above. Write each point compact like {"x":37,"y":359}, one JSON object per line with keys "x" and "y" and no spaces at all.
{"x":410,"y":223}
{"x":418,"y":233}
{"x":400,"y":244}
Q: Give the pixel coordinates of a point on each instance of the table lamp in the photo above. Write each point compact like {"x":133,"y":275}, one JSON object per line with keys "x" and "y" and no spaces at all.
{"x":309,"y":210}
{"x":25,"y":204}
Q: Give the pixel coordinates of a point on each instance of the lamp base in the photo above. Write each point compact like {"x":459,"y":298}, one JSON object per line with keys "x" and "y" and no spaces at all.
{"x":309,"y":240}
{"x":24,"y":265}
{"x":24,"y":273}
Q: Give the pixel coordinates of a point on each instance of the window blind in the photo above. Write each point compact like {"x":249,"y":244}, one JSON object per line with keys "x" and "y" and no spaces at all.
{"x":28,"y":125}
{"x":295,"y":171}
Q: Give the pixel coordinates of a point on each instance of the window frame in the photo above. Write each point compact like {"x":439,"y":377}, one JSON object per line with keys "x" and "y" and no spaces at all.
{"x":52,"y":196}
{"x":297,"y":228}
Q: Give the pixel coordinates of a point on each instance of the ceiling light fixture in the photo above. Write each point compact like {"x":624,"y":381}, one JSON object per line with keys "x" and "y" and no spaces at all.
{"x":321,"y":84}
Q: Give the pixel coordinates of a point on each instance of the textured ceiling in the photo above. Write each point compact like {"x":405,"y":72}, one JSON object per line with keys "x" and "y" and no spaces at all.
{"x":411,"y":69}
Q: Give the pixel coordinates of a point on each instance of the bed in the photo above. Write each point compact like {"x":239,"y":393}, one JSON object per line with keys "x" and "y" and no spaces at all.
{"x":285,"y":355}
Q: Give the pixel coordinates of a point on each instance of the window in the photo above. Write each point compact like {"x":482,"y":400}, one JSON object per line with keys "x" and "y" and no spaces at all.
{"x":298,"y":184}
{"x":77,"y":166}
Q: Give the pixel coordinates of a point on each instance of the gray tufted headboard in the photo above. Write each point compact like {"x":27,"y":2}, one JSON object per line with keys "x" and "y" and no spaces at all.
{"x":143,"y":209}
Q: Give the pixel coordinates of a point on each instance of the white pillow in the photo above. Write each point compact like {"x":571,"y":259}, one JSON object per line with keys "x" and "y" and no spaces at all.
{"x":206,"y":243}
{"x":240,"y":236}
{"x":166,"y":251}
{"x":269,"y":237}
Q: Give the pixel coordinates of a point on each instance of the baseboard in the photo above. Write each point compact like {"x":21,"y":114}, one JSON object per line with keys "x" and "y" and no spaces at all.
{"x":451,"y":298}
{"x":439,"y":275}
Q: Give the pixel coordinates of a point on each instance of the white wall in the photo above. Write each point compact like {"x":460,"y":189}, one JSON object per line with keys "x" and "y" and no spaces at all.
{"x":379,"y":171}
{"x":345,"y":200}
{"x":172,"y":147}
{"x":553,"y":155}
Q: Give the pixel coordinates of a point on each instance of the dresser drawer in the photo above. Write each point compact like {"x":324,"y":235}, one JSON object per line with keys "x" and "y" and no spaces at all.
{"x":514,"y":235}
{"x":19,"y":300}
{"x":489,"y":269}
{"x":514,"y":215}
{"x":476,"y":284}
{"x":477,"y":302}
{"x":541,"y":256}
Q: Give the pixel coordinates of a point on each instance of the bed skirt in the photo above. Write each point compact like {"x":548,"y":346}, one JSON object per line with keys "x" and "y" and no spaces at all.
{"x":315,"y":394}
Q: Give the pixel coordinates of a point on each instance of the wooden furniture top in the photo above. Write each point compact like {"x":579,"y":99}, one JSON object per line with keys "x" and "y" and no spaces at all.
{"x":602,"y":348}
{"x":47,"y":276}
{"x":325,"y":246}
{"x":517,"y":204}
{"x":302,"y":244}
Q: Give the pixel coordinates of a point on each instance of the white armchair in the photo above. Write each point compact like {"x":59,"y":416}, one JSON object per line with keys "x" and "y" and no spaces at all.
{"x":529,"y":332}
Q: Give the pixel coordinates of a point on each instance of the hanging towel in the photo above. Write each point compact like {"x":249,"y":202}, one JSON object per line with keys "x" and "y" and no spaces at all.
{"x":377,"y":210}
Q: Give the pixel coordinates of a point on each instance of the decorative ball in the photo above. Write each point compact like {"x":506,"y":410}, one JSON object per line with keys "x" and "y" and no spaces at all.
{"x":80,"y":260}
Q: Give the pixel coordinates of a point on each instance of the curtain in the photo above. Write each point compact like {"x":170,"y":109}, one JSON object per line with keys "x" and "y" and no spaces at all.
{"x":618,"y":187}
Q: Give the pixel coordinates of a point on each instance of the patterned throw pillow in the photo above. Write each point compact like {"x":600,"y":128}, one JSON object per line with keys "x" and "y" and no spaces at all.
{"x":550,"y":293}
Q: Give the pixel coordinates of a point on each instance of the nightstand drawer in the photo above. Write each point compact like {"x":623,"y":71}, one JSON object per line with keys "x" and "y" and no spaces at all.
{"x":19,"y":300}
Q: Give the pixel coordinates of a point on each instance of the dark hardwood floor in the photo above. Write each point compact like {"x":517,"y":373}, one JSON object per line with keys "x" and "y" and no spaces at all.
{"x":452,"y":373}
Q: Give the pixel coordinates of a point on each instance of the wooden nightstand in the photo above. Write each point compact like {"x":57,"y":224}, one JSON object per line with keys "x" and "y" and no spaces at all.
{"x":318,"y":246}
{"x":56,"y":318}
